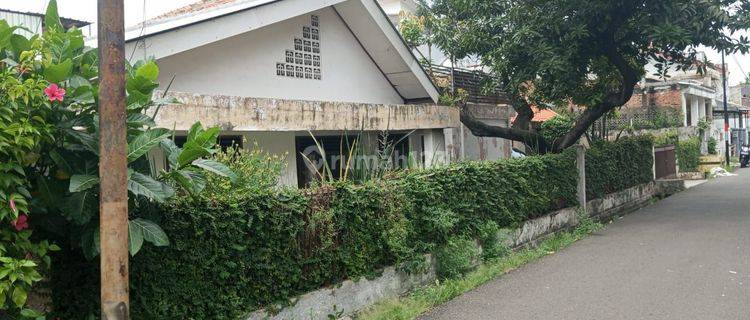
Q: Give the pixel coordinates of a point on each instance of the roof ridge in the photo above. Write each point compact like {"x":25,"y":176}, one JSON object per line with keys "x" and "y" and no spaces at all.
{"x":195,"y":7}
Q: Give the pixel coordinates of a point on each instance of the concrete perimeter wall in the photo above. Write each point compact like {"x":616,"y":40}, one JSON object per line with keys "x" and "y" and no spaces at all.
{"x":352,"y":296}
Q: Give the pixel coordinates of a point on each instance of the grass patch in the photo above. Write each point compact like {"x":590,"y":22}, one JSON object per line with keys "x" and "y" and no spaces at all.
{"x":421,"y":300}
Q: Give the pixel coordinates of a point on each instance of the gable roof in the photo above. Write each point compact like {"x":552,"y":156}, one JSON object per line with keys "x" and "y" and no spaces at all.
{"x":209,"y":21}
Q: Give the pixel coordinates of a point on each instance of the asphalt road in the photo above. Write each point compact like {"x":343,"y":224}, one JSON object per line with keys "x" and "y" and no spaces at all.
{"x":686,"y":257}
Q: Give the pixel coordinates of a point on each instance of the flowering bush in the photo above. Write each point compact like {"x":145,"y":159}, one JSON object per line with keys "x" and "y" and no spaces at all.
{"x":49,"y":151}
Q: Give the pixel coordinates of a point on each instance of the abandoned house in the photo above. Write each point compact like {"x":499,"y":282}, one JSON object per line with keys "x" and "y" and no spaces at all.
{"x":284,"y":74}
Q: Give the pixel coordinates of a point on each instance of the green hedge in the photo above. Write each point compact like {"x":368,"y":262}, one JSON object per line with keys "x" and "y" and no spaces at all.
{"x":688,"y":154}
{"x":234,"y":253}
{"x":611,"y":167}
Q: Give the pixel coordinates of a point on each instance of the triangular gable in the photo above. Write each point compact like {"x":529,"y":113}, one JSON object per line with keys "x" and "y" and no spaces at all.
{"x":364,"y":19}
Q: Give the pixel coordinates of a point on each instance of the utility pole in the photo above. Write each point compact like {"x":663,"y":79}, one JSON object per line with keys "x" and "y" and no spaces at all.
{"x":113,"y":205}
{"x":726,"y":113}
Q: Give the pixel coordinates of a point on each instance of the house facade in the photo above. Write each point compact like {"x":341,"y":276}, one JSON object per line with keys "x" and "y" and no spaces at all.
{"x":302,"y":79}
{"x":689,"y":98}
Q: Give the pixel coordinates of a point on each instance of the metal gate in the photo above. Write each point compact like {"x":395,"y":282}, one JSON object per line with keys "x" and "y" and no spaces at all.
{"x":665,"y":162}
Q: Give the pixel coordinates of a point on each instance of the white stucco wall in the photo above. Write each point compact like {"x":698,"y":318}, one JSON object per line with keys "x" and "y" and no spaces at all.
{"x":245,"y":65}
{"x":280,"y":144}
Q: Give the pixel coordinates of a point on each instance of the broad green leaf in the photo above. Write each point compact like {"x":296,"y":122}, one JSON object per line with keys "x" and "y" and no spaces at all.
{"x":60,"y":161}
{"x":51,"y":17}
{"x":19,"y":43}
{"x":5,"y":34}
{"x":171,"y":151}
{"x":90,"y":242}
{"x":138,"y":120}
{"x":149,"y":71}
{"x":190,"y":154}
{"x":192,"y":181}
{"x":88,"y":140}
{"x":206,"y":139}
{"x":194,"y":131}
{"x":143,"y":185}
{"x":141,"y":85}
{"x":19,"y":295}
{"x":81,"y":182}
{"x":58,"y":72}
{"x":216,"y":167}
{"x":79,"y":208}
{"x":135,"y":238}
{"x":197,"y":179}
{"x":32,"y":314}
{"x":145,"y":142}
{"x":151,"y":232}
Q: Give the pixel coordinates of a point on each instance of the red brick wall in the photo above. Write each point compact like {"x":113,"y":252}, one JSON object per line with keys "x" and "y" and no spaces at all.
{"x":661,"y":98}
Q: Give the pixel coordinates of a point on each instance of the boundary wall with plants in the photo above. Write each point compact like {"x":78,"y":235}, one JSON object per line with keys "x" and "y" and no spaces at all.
{"x":230,"y":255}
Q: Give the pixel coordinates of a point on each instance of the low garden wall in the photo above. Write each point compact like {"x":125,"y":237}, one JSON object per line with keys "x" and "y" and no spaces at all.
{"x":351,"y":296}
{"x":234,"y":251}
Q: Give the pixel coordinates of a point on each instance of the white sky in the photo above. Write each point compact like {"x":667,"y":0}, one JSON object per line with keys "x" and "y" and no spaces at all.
{"x":134,"y":14}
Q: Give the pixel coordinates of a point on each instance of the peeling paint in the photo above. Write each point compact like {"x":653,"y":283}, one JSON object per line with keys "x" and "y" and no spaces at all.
{"x":263,"y":114}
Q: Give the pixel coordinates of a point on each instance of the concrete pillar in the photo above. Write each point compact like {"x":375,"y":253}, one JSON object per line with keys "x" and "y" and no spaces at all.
{"x":452,"y":144}
{"x":434,"y":148}
{"x":581,"y":166}
{"x":653,"y":166}
{"x":685,"y":109}
{"x":694,"y":110}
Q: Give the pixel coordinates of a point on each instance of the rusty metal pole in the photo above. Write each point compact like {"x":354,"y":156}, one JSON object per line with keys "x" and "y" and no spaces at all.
{"x":113,"y":206}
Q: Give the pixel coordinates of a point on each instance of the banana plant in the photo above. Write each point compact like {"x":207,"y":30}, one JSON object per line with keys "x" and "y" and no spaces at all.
{"x":188,"y":164}
{"x":187,"y":167}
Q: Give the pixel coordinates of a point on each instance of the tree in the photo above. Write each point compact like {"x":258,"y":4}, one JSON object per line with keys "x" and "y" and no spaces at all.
{"x":590,"y":53}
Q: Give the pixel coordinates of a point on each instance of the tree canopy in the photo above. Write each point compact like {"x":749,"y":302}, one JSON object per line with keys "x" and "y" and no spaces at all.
{"x":590,"y":53}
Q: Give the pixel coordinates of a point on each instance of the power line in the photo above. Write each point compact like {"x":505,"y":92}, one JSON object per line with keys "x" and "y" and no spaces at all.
{"x":734,"y":57}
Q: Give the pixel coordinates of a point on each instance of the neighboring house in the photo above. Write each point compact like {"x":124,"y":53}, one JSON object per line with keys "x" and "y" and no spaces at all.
{"x":33,"y":23}
{"x":690,"y":95}
{"x":491,"y":107}
{"x":740,"y":94}
{"x":269,"y":71}
{"x":686,"y":93}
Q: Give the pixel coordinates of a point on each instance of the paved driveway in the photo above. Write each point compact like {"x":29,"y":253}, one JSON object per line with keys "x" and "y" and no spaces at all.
{"x":686,"y":257}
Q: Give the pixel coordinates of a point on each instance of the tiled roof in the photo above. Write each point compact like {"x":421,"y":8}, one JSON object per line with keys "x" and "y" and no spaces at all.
{"x":539,"y":115}
{"x":202,"y":5}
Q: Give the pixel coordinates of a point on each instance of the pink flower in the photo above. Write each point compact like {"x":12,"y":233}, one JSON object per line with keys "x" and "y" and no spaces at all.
{"x":12,"y":205}
{"x":54,"y":92}
{"x":21,"y":223}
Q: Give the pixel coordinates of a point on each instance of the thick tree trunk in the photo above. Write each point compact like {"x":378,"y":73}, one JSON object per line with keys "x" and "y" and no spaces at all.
{"x":481,"y":129}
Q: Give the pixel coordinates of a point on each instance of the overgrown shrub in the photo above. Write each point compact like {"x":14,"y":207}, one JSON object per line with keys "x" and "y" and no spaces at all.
{"x":616,"y":166}
{"x":492,"y":239}
{"x":688,"y":154}
{"x":456,"y":257}
{"x":556,"y":127}
{"x":236,"y":250}
{"x":231,"y":254}
{"x":711,"y":145}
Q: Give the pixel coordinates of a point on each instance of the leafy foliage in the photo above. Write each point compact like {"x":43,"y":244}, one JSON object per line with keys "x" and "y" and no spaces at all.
{"x":587,"y":53}
{"x":49,"y":132}
{"x":688,"y":154}
{"x":555,"y":128}
{"x":711,"y":145}
{"x":611,"y":167}
{"x":233,"y":252}
{"x":457,"y":257}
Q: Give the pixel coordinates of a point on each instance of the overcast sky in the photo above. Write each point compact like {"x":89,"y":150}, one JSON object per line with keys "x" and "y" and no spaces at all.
{"x":138,"y":10}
